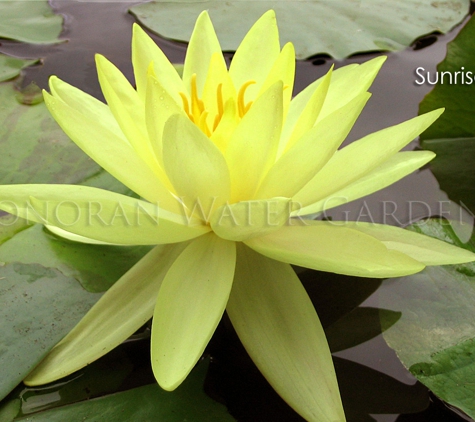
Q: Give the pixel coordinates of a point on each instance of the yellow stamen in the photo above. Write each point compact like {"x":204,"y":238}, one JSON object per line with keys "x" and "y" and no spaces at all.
{"x":242,"y":107}
{"x":218,"y":117}
{"x":186,"y":105}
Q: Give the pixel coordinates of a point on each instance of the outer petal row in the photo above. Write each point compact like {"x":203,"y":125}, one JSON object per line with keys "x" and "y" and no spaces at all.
{"x":280,"y":330}
{"x":336,"y":249}
{"x":189,"y":307}
{"x":98,"y":214}
{"x":103,"y":144}
{"x":360,"y":249}
{"x":387,"y":173}
{"x":121,"y":311}
{"x":361,"y":157}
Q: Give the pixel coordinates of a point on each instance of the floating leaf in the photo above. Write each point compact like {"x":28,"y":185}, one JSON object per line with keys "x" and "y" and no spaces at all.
{"x":435,"y":337}
{"x":39,"y":306}
{"x":454,"y":167}
{"x":147,"y":403}
{"x":360,"y":325}
{"x":10,"y":67}
{"x":338,"y":27}
{"x":455,"y":95}
{"x":29,"y":21}
{"x":452,"y":136}
{"x":40,"y":294}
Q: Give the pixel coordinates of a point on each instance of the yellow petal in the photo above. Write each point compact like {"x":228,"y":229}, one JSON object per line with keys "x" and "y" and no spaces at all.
{"x":425,"y":249}
{"x":278,"y":326}
{"x":256,"y":54}
{"x":218,"y":82}
{"x":159,"y":106}
{"x":111,"y":152}
{"x":347,"y":82}
{"x":127,"y":108}
{"x":253,"y":145}
{"x":333,"y":248}
{"x":121,"y":311}
{"x":195,"y":166}
{"x":298,"y":165}
{"x":98,"y":214}
{"x":145,"y":51}
{"x":361,"y":157}
{"x":203,"y":44}
{"x":247,"y":219}
{"x":294,"y":130}
{"x":87,"y":104}
{"x":389,"y":172}
{"x":189,"y":306}
{"x":350,"y":82}
{"x":226,"y":126}
{"x":282,"y":70}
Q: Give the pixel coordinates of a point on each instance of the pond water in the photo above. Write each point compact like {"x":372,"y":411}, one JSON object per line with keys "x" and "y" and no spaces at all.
{"x":374,"y":384}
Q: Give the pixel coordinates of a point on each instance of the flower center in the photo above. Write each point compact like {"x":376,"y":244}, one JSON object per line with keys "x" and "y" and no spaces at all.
{"x":198,"y":114}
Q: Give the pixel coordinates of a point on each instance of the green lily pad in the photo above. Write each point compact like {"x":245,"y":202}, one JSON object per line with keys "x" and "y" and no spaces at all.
{"x":34,"y":148}
{"x":39,"y":306}
{"x":360,"y":325}
{"x":29,"y":21}
{"x":453,"y":167}
{"x":45,"y":279}
{"x":452,"y":136}
{"x":338,"y":27}
{"x":10,"y":67}
{"x":147,"y":403}
{"x":457,"y":98}
{"x":435,"y":337}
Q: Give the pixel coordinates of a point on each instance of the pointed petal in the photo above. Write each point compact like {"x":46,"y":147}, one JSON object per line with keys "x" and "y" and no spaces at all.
{"x":253,"y":145}
{"x":311,"y":152}
{"x":334,"y":248}
{"x":121,"y":311}
{"x":347,"y":82}
{"x":226,"y":126}
{"x":89,"y":106}
{"x":110,"y":151}
{"x":194,"y":165}
{"x":127,"y":108}
{"x":425,"y":249}
{"x":203,"y":44}
{"x":159,"y":106}
{"x":282,"y":70}
{"x":361,"y":157}
{"x":74,"y":237}
{"x":218,"y":82}
{"x":389,"y":172}
{"x":256,"y":54}
{"x":247,"y":219}
{"x":189,"y":307}
{"x":294,"y":130}
{"x":98,"y":214}
{"x":145,"y":51}
{"x":280,"y":330}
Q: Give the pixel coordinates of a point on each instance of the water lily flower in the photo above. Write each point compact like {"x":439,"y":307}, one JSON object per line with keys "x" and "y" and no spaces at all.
{"x":226,"y":164}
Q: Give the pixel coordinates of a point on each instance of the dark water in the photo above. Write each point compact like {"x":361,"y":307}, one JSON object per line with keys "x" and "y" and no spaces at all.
{"x":372,"y":379}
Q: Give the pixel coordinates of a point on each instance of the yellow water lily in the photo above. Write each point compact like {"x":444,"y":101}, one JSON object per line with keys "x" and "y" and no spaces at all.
{"x":226,"y":164}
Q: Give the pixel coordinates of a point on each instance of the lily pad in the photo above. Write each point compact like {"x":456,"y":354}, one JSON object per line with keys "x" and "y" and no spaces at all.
{"x":147,"y":403}
{"x":452,"y":136}
{"x":338,"y":27}
{"x":40,"y":275}
{"x":10,"y":67}
{"x":455,"y":95}
{"x":29,"y":21}
{"x":39,"y":306}
{"x":435,"y":337}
